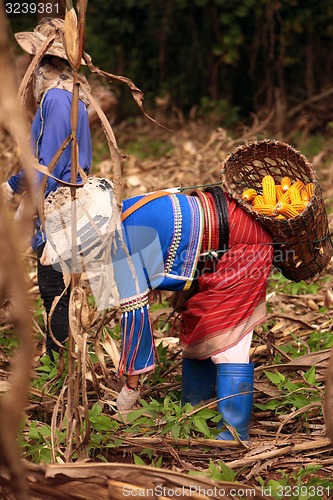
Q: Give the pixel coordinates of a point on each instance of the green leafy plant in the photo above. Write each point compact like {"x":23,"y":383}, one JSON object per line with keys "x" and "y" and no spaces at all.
{"x":292,"y":394}
{"x":219,"y":109}
{"x":316,"y":341}
{"x":35,"y":442}
{"x":103,"y":429}
{"x":304,"y":484}
{"x":35,"y":438}
{"x":218,"y":471}
{"x":170,"y":418}
{"x":113,"y":332}
{"x":155,"y":461}
{"x":48,"y":374}
{"x":280,"y":283}
{"x":147,"y":149}
{"x":158,"y":375}
{"x":8,"y":341}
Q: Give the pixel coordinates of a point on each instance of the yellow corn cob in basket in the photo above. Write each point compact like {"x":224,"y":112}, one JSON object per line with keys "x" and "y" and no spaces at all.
{"x":268,"y":190}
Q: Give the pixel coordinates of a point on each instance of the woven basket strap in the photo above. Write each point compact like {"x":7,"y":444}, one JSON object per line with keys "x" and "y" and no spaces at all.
{"x":143,"y":201}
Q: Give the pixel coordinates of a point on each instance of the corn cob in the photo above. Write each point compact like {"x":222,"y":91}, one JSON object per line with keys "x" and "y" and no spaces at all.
{"x":304,"y":194}
{"x":280,"y":216}
{"x":299,"y":206}
{"x":295,"y":195}
{"x":249,"y":194}
{"x":258,"y":200}
{"x":285,"y":183}
{"x":310,"y":189}
{"x":285,"y":198}
{"x":279,"y":206}
{"x":287,"y":210}
{"x":264,"y":209}
{"x":268,"y":187}
{"x":295,"y":191}
{"x":279,"y":192}
{"x":299,"y":184}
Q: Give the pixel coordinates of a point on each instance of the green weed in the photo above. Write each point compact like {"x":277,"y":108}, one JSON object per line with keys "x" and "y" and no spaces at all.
{"x":8,"y":341}
{"x":48,"y":374}
{"x":35,"y":442}
{"x":218,"y":472}
{"x":301,"y":485}
{"x":316,"y":341}
{"x":35,"y":439}
{"x":103,"y":429}
{"x":293,"y":395}
{"x":158,"y":375}
{"x":169,"y":418}
{"x":154,"y":459}
{"x":281,"y":284}
{"x":218,"y":109}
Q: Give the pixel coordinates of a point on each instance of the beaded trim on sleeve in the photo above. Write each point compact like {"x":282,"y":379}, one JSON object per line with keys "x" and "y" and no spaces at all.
{"x":196,"y":236}
{"x":133,"y":303}
{"x":178,"y":218}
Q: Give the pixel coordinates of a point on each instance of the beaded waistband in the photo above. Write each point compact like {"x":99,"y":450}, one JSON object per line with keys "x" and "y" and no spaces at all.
{"x":133,"y":303}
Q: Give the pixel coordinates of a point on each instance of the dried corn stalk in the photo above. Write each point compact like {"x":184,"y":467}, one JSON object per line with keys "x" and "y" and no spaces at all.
{"x":13,"y":282}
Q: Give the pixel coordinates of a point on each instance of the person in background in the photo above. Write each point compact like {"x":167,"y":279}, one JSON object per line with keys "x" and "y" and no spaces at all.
{"x":52,"y":88}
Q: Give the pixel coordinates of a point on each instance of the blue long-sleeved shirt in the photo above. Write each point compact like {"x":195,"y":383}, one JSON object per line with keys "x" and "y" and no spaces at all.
{"x":50,"y":127}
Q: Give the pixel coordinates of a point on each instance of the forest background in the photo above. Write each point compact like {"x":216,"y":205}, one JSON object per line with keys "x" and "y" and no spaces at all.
{"x":228,"y":57}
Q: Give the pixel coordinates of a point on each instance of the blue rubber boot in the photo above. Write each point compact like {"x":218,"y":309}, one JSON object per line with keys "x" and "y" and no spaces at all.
{"x":234,"y":379}
{"x":198,"y":380}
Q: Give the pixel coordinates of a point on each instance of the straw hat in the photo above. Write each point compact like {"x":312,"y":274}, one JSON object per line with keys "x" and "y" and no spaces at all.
{"x":31,"y":42}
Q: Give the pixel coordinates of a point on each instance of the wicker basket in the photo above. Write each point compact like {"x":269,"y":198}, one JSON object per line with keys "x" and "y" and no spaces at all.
{"x":303,"y":246}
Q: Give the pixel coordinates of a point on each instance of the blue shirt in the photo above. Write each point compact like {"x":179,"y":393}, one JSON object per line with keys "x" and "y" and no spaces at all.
{"x":50,"y":127}
{"x":163,"y":238}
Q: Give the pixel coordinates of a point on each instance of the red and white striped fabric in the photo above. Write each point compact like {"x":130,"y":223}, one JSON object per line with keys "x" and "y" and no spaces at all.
{"x":230,"y":301}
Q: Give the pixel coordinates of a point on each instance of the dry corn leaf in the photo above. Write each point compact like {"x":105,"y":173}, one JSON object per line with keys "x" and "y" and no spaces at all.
{"x":328,"y":297}
{"x":313,"y":306}
{"x":71,"y":37}
{"x":112,"y":349}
